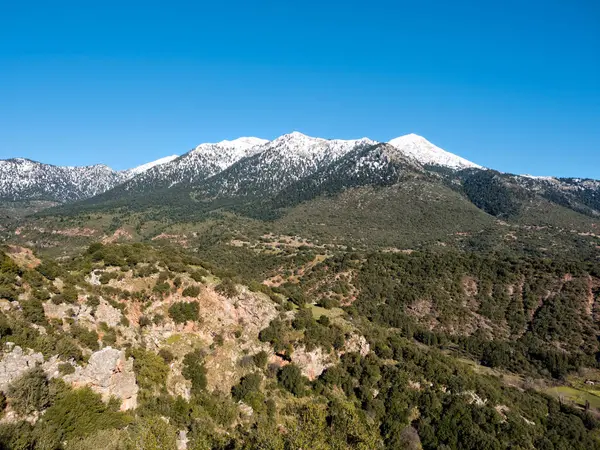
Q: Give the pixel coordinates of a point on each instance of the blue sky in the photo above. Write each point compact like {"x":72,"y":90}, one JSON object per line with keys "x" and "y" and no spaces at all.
{"x":511,"y":85}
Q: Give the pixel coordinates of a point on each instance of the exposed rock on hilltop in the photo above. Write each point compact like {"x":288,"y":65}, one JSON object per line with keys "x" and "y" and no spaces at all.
{"x":110,"y":373}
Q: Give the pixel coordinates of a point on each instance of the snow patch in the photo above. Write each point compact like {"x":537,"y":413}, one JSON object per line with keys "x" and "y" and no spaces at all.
{"x":144,"y":167}
{"x":425,"y":152}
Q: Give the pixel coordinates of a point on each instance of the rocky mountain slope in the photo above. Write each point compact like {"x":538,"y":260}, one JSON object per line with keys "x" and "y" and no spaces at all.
{"x":198,"y":164}
{"x":278,"y":164}
{"x":26,"y":180}
{"x":23,"y":179}
{"x":258,"y":177}
{"x":301,"y":293}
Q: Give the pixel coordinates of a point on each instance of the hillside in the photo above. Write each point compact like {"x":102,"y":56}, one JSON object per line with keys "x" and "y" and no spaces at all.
{"x":315,"y":344}
{"x":304,"y":293}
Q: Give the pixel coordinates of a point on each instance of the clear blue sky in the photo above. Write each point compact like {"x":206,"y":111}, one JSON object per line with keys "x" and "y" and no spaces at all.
{"x":513,"y":85}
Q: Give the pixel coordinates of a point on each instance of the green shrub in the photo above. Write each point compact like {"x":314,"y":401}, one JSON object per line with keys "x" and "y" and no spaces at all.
{"x":66,"y":369}
{"x":191,"y":291}
{"x":67,"y":349}
{"x":247,"y":385}
{"x":158,"y":319}
{"x":110,"y":439}
{"x":145,"y":271}
{"x":218,"y":340}
{"x":49,"y":270}
{"x":162,"y":288}
{"x":329,"y":303}
{"x":16,"y":435}
{"x":109,"y":337}
{"x":41,"y":294}
{"x":9,"y":266}
{"x":9,"y":293}
{"x":303,"y":319}
{"x":166,"y":355}
{"x":70,"y":294}
{"x":227,"y":288}
{"x":181,"y":312}
{"x":150,"y":369}
{"x":86,"y":337}
{"x":152,"y":433}
{"x":324,"y":320}
{"x":29,"y":392}
{"x":33,"y":311}
{"x":194,"y":370}
{"x":80,"y":412}
{"x":260,"y":359}
{"x":93,"y":301}
{"x":5,"y":327}
{"x":199,"y":275}
{"x":219,"y":406}
{"x":290,"y":377}
{"x":94,"y":247}
{"x":107,"y":276}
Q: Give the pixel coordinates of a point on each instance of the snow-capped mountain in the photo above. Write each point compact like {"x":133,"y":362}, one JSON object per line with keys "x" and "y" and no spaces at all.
{"x":376,"y":165}
{"x":198,"y":164}
{"x":282,"y":172}
{"x":426,"y":153}
{"x":24,"y":179}
{"x":279,"y":163}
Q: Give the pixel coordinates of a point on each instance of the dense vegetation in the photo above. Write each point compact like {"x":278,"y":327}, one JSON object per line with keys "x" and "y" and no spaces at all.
{"x":431,"y":327}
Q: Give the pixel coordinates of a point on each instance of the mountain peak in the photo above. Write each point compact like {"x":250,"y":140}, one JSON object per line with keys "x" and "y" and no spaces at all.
{"x":296,"y":136}
{"x":239,"y":144}
{"x":425,"y":152}
{"x":242,"y":142}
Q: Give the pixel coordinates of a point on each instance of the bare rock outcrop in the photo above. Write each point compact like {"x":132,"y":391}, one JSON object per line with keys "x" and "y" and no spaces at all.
{"x":107,"y":313}
{"x":16,"y":362}
{"x":65,"y":310}
{"x":110,"y":374}
{"x":356,"y":343}
{"x":409,"y":437}
{"x":313,"y":363}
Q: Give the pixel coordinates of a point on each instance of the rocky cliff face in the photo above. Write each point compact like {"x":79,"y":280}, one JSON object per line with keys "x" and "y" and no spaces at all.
{"x":108,"y":372}
{"x":15,"y":362}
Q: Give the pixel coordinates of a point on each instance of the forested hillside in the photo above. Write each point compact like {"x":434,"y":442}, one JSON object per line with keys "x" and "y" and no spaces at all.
{"x":286,"y":343}
{"x":305,"y":293}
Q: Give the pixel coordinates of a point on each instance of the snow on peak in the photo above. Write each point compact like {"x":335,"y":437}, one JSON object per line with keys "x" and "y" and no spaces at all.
{"x":223,"y":154}
{"x":279,"y":163}
{"x":425,"y":152}
{"x":239,"y":145}
{"x":296,"y":135}
{"x":243,"y":142}
{"x":24,"y":179}
{"x":299,"y":144}
{"x":144,"y":167}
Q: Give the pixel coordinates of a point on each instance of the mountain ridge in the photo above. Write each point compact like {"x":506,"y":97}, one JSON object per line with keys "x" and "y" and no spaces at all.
{"x":254,"y":168}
